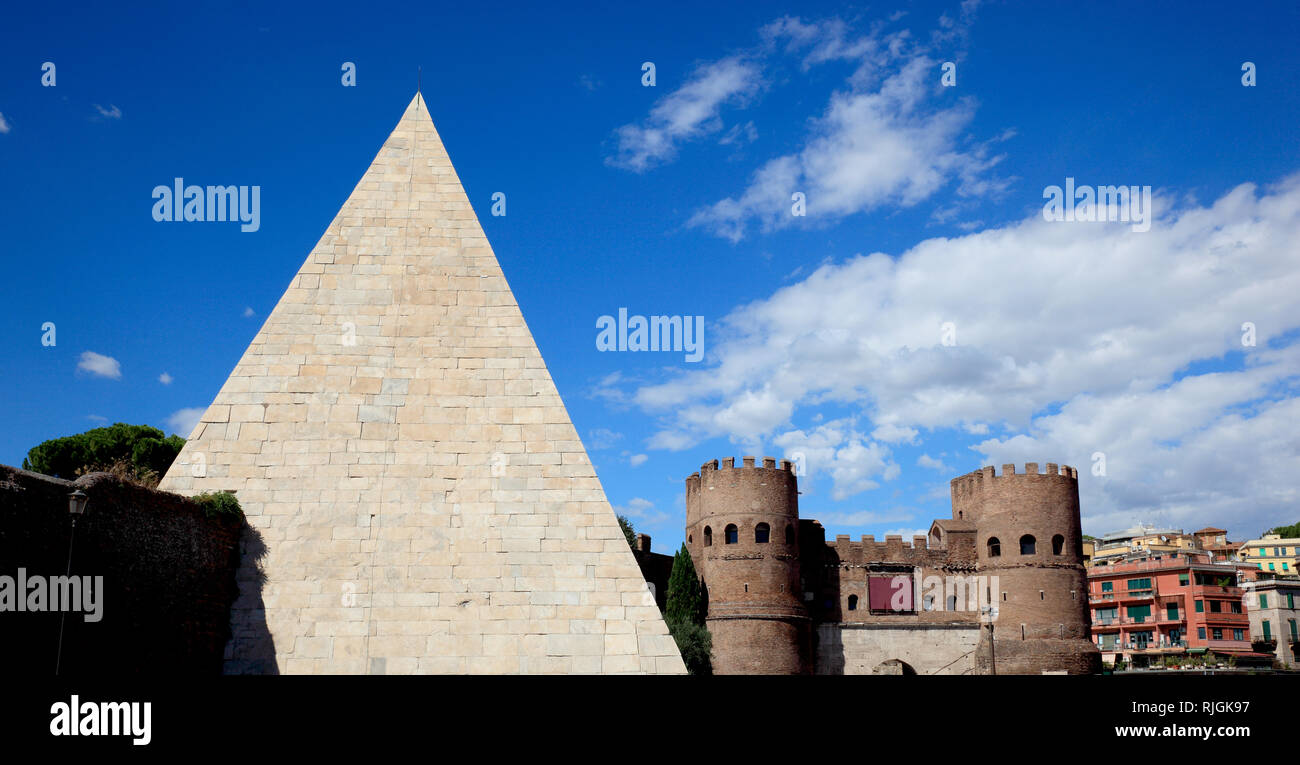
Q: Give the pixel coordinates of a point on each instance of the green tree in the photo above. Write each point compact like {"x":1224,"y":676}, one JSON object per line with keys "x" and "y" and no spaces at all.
{"x":137,"y":452}
{"x":685,"y":615}
{"x":1286,"y":532}
{"x":628,"y":532}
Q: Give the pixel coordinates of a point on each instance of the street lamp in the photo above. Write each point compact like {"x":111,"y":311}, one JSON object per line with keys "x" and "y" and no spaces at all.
{"x":77,"y":500}
{"x":77,"y":504}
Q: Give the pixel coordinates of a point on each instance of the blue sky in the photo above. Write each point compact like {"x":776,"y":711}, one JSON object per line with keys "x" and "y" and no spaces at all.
{"x":823,"y":331}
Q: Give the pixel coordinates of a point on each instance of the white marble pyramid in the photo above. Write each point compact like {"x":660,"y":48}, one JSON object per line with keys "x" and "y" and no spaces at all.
{"x":418,"y":499}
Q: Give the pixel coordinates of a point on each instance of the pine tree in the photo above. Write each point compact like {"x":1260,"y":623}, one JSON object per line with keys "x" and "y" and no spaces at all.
{"x":685,"y":615}
{"x":629,"y":533}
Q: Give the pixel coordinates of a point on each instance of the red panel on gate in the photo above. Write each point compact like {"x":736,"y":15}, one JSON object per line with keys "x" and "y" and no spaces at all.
{"x":890,"y":593}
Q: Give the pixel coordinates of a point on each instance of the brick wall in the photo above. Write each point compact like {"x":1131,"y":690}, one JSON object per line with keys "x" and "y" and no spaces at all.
{"x":168,"y":577}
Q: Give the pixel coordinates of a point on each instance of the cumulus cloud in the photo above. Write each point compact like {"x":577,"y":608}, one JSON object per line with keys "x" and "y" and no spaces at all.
{"x":4,"y":126}
{"x":641,"y":510}
{"x":248,"y":311}
{"x":882,"y":140}
{"x":905,"y":533}
{"x":183,"y":421}
{"x":602,"y":438}
{"x":100,"y":365}
{"x":859,"y":517}
{"x":637,"y":460}
{"x":926,"y":461}
{"x":888,"y":136}
{"x":165,"y":378}
{"x":836,"y":449}
{"x":687,"y":113}
{"x":1071,"y":338}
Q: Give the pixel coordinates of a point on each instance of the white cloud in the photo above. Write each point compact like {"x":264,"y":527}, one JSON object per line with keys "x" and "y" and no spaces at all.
{"x":834,"y":520}
{"x":165,"y":378}
{"x":4,"y":126}
{"x":893,"y":434}
{"x":602,"y":438}
{"x":637,"y":460}
{"x":100,"y":365}
{"x":183,"y":421}
{"x":112,"y":112}
{"x":906,"y":534}
{"x":1071,"y":336}
{"x":248,"y":312}
{"x":926,"y":461}
{"x":740,"y":134}
{"x":837,"y":450}
{"x":687,"y":113}
{"x":641,"y":511}
{"x":884,"y":145}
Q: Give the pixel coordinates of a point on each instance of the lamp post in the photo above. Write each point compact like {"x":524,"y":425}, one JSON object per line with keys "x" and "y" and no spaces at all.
{"x":76,"y":506}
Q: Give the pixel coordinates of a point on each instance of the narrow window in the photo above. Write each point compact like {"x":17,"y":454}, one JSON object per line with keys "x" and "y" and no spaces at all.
{"x":853,"y":602}
{"x":733,"y":534}
{"x":1027,"y":545}
{"x":762,"y":532}
{"x":995,"y":547}
{"x":1058,"y":544}
{"x":708,"y":536}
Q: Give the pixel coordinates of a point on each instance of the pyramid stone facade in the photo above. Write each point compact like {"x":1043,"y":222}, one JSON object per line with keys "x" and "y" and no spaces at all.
{"x":418,"y":500}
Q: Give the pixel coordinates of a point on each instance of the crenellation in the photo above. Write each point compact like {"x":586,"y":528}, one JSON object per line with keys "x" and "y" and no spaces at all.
{"x":749,"y":583}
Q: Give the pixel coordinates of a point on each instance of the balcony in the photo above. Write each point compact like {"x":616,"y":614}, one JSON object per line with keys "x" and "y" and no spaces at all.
{"x":1147,"y":621}
{"x":1225,"y":618}
{"x":1153,"y":646}
{"x":1236,"y":645}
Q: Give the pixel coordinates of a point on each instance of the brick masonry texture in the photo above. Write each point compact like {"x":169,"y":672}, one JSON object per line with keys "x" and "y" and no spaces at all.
{"x":796,"y":603}
{"x":418,"y":499}
{"x":168,"y":577}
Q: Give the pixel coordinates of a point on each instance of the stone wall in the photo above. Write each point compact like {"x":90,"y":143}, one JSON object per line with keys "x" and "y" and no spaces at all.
{"x":167,"y":568}
{"x":923,"y":649}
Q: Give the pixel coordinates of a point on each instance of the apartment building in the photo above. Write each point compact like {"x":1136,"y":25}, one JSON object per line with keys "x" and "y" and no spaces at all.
{"x":1147,"y":607}
{"x":1273,"y":606}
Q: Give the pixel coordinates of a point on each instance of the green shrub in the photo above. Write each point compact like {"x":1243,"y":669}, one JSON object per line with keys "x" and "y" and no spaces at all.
{"x":696,"y":645}
{"x":220,"y":503}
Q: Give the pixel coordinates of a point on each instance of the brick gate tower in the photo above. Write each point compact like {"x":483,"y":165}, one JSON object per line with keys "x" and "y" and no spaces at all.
{"x":742,"y":531}
{"x":1029,"y":537}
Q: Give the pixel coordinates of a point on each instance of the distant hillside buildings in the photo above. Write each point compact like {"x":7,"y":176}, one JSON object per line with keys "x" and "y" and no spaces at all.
{"x":1162,"y":596}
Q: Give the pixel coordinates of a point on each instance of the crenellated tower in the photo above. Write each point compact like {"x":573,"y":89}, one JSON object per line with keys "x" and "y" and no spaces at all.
{"x":1029,"y":537}
{"x":742,"y":531}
